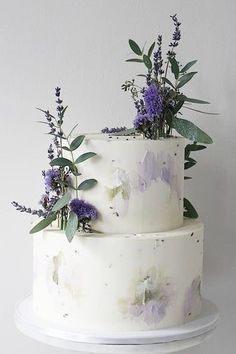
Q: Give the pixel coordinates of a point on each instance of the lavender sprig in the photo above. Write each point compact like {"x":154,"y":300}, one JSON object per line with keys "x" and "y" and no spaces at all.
{"x":176,"y":36}
{"x":157,"y":58}
{"x":107,"y":130}
{"x":24,"y":209}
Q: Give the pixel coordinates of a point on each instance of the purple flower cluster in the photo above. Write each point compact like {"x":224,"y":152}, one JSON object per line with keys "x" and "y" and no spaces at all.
{"x":141,"y":119}
{"x":52,"y":178}
{"x":176,"y":36}
{"x":148,"y":111}
{"x":83,"y":210}
{"x":157,"y":58}
{"x":24,"y":209}
{"x":107,"y":130}
{"x":153,"y":101}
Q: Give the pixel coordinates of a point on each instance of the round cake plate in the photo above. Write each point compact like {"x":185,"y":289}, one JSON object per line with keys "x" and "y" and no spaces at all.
{"x":159,"y":341}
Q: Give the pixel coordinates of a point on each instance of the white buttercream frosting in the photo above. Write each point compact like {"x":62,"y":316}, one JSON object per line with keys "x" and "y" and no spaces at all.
{"x":119,"y":282}
{"x":140,"y":182}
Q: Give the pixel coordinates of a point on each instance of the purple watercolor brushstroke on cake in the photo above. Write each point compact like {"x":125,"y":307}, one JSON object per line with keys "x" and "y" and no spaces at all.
{"x":192,"y":297}
{"x":157,"y":166}
{"x":151,"y":312}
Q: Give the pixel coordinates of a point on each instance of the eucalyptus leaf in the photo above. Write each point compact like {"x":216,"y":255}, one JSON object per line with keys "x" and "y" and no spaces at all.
{"x":147,"y":61}
{"x":185,"y":78}
{"x":188,"y":66}
{"x":61,"y":161}
{"x":63,"y":201}
{"x":190,"y":131}
{"x":168,"y":82}
{"x":43,"y":223}
{"x":195,"y":147}
{"x":135,"y":60}
{"x":150,"y":50}
{"x":71,"y":226}
{"x":77,"y":142}
{"x":66,"y":148}
{"x":135,"y":48}
{"x":177,"y":107}
{"x":87,"y":184}
{"x":190,"y":211}
{"x":174,"y":67}
{"x":74,"y":170}
{"x":189,"y":164}
{"x":85,"y":156}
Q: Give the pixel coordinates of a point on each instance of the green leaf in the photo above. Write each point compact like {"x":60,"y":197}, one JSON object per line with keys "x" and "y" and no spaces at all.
{"x":85,"y":156}
{"x":64,"y":200}
{"x":150,"y":50}
{"x":174,"y":67}
{"x":135,"y":48}
{"x":197,"y":110}
{"x":75,"y":171}
{"x":168,"y":117}
{"x":147,"y":61}
{"x":195,"y":100}
{"x":135,"y":60}
{"x":188,"y":66}
{"x":66,"y":148}
{"x":63,"y":112}
{"x":77,"y":142}
{"x":185,"y":78}
{"x":195,"y":147}
{"x":71,"y":226}
{"x":61,"y":161}
{"x":190,"y":163}
{"x":168,"y":82}
{"x":177,"y":107}
{"x":190,"y":131}
{"x":190,"y":211}
{"x":43,"y":223}
{"x":87,"y":184}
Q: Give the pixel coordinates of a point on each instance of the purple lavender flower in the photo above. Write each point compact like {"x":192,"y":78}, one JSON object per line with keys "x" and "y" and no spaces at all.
{"x":141,"y":119}
{"x":83,"y":210}
{"x":158,"y":61}
{"x":50,"y":152}
{"x":48,"y":202}
{"x":176,"y":36}
{"x":153,"y":101}
{"x":23,"y":209}
{"x":107,"y":130}
{"x":51,"y":180}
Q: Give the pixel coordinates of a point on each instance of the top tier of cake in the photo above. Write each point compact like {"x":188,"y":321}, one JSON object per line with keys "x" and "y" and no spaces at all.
{"x":140,"y":182}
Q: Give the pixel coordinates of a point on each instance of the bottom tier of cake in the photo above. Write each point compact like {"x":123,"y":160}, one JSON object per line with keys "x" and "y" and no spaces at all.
{"x":125,"y":282}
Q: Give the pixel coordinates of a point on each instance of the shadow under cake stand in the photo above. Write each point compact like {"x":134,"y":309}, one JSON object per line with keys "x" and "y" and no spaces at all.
{"x":160,"y":341}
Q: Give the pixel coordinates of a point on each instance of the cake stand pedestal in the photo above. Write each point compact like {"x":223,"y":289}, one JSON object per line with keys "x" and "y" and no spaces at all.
{"x":161,"y":341}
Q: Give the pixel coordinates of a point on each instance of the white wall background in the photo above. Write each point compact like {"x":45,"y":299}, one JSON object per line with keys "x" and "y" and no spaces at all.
{"x":81,"y":45}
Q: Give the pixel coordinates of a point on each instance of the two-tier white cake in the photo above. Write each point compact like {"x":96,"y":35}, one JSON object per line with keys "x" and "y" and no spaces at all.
{"x":142,"y":268}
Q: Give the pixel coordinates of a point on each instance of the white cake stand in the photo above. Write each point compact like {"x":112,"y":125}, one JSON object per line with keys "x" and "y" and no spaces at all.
{"x":161,"y":341}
